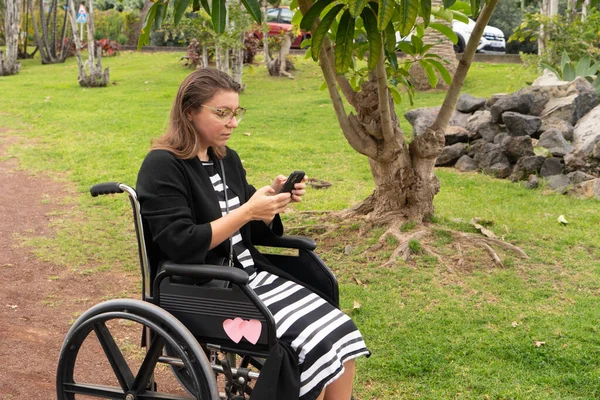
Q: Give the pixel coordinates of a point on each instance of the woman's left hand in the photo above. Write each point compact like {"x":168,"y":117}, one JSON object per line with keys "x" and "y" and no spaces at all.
{"x":298,"y":191}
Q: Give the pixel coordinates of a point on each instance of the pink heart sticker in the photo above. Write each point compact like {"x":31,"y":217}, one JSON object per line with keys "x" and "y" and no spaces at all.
{"x":232,"y":328}
{"x":251,"y":330}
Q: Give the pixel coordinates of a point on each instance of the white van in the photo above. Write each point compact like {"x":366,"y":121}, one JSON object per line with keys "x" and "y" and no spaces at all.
{"x":492,"y":40}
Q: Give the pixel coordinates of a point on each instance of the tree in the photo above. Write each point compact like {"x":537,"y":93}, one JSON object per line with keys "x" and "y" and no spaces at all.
{"x":12,"y":19}
{"x":90,"y":72}
{"x":51,"y":33}
{"x":403,"y":172}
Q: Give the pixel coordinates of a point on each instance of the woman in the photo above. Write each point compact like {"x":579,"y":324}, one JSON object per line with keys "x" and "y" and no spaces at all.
{"x":192,"y":216}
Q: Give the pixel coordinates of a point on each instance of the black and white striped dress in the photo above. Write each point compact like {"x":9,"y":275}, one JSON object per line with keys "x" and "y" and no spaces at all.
{"x":323,"y":337}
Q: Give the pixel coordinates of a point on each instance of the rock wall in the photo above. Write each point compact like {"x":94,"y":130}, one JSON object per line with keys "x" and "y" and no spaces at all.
{"x":547,"y":130}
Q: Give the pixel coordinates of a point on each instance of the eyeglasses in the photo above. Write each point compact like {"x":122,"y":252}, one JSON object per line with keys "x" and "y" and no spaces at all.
{"x":226,"y":115}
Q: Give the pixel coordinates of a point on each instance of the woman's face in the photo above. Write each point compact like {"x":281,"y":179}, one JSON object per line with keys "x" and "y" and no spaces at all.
{"x":211,"y":127}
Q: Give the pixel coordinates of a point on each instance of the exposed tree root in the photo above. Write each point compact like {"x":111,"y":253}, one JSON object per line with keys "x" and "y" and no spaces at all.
{"x":463,"y":243}
{"x":492,"y":253}
{"x":498,"y":242}
{"x":403,"y":249}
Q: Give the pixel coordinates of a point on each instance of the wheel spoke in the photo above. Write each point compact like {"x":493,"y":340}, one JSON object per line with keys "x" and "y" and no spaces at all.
{"x":106,"y":392}
{"x":147,"y":368}
{"x":114,"y":355}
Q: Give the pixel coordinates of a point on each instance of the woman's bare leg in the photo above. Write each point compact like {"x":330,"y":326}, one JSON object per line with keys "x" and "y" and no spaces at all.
{"x":341,"y":388}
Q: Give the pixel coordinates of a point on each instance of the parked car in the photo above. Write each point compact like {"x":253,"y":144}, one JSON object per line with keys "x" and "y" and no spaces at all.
{"x":492,"y":40}
{"x":280,"y":19}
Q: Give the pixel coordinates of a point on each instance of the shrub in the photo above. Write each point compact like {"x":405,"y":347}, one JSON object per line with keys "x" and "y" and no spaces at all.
{"x":108,"y":24}
{"x":566,"y":33}
{"x":131,"y":26}
{"x":109,"y":47}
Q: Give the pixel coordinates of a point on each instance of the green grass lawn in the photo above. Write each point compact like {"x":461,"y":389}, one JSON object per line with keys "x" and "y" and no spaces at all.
{"x":435,"y":332}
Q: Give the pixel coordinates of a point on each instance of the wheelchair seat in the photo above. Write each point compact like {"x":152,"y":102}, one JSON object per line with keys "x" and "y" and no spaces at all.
{"x":208,"y":300}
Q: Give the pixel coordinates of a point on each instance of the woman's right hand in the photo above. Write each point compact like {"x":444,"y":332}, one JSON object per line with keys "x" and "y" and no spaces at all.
{"x":265,"y":204}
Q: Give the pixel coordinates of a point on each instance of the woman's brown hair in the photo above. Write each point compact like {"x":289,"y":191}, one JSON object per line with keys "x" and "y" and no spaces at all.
{"x":197,"y":88}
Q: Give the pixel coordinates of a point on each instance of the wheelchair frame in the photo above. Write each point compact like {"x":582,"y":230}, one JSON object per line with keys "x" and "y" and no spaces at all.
{"x":172,"y":330}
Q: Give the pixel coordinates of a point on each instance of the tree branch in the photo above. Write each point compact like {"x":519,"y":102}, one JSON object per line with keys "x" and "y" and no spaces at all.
{"x":464,"y":64}
{"x":384,"y":102}
{"x":363,"y":145}
{"x":343,"y":83}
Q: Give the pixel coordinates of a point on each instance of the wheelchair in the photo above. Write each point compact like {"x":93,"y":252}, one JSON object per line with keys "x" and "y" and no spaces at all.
{"x":185,"y":312}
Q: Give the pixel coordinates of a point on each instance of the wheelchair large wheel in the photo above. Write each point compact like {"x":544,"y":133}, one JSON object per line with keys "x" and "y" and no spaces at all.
{"x":162,"y":328}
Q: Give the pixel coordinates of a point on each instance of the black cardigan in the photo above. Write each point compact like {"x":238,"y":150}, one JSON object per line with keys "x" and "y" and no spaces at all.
{"x":178,"y":202}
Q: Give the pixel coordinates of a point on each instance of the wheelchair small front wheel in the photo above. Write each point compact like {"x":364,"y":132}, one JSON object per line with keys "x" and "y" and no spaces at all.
{"x":113,"y":323}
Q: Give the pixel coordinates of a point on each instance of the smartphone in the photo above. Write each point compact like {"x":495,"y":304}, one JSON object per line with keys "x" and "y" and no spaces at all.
{"x":295,"y":177}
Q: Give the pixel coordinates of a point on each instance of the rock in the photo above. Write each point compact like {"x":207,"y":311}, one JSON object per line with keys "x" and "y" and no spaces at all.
{"x":499,"y":170}
{"x":577,"y":177}
{"x":558,"y":124}
{"x":525,"y":167}
{"x":469,"y":104}
{"x":475,"y":147}
{"x":348,"y":250}
{"x":579,"y":99}
{"x":521,"y":124}
{"x":500,"y":137}
{"x":532,"y":182}
{"x":586,"y":190}
{"x":596,"y":151}
{"x":459,"y":119}
{"x":559,"y":183}
{"x":480,"y":123}
{"x":492,"y":160}
{"x":586,"y":136}
{"x":422,"y":118}
{"x":521,"y":103}
{"x":493,"y":99}
{"x":552,"y":166}
{"x":450,"y":154}
{"x":548,"y":78}
{"x":466,"y":164}
{"x":554,"y":141}
{"x":456,"y":134}
{"x":517,"y":147}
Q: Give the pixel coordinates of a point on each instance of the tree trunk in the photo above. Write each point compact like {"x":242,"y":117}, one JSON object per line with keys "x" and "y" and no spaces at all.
{"x":543,"y":36}
{"x":140,"y":24}
{"x":237,"y":62}
{"x":404,"y":181}
{"x":281,"y":65}
{"x":265,"y":37}
{"x":584,"y":10}
{"x":12,"y":20}
{"x":96,"y":77}
{"x":46,"y":37}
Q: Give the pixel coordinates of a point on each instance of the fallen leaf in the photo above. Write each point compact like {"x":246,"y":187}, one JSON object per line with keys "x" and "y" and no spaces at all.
{"x":356,"y":304}
{"x":246,"y":133}
{"x":537,"y":343}
{"x":47,"y":98}
{"x":13,"y":306}
{"x":515,"y":324}
{"x":561,"y":219}
{"x":357,"y":281}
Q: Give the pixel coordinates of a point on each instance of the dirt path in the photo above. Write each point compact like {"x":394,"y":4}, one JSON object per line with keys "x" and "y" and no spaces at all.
{"x":38,"y":300}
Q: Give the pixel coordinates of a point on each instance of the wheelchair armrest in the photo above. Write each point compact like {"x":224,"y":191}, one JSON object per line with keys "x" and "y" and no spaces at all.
{"x":288,"y":242}
{"x":234,"y":275}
